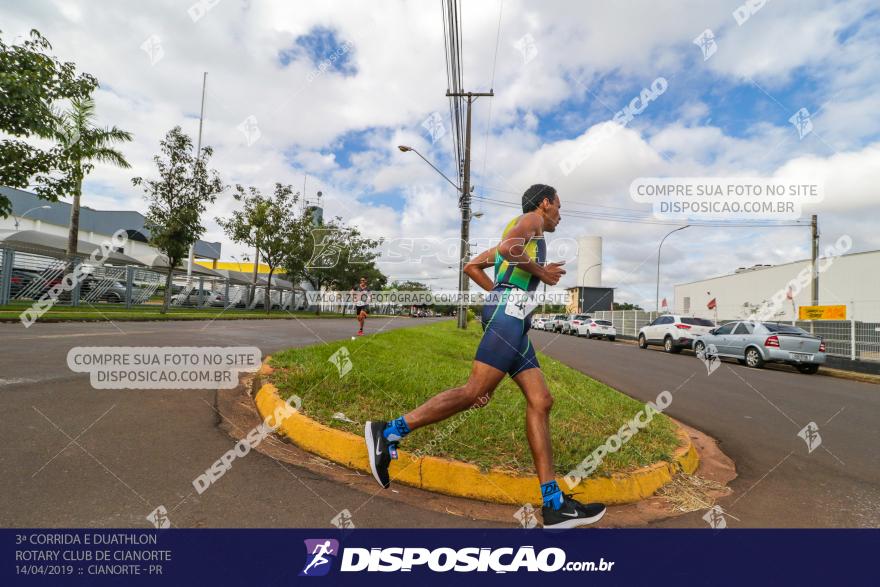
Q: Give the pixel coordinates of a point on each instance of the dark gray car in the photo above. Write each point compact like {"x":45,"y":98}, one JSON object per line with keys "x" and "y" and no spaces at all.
{"x":754,"y":343}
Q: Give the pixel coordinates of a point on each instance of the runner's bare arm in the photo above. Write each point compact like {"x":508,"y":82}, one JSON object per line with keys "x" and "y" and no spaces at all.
{"x":475,"y":268}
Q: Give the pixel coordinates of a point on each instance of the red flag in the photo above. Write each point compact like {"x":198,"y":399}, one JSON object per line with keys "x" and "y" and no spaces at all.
{"x":712,"y":304}
{"x":663,"y":304}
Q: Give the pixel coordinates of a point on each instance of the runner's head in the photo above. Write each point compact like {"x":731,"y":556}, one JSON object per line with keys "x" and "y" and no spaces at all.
{"x":545,"y":200}
{"x":363,"y":282}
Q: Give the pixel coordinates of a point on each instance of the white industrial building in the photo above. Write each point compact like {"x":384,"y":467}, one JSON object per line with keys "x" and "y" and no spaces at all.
{"x":852,"y":280}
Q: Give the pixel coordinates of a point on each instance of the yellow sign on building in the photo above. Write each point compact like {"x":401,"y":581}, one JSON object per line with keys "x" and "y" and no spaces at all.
{"x":246,"y":267}
{"x":822,"y":312}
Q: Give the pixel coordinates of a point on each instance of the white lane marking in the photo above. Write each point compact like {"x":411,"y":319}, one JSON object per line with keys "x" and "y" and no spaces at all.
{"x":18,"y":380}
{"x":108,"y":333}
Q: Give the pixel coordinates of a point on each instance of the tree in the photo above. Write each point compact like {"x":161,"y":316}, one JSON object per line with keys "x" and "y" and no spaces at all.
{"x":177,"y":199}
{"x":267,"y":223}
{"x":247,"y":226}
{"x":84,"y":143}
{"x":407,"y":286}
{"x":338,"y":256}
{"x":31,"y":81}
{"x":625,"y":306}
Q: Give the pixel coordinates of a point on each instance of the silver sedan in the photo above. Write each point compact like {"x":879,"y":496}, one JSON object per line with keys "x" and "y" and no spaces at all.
{"x":755,"y":343}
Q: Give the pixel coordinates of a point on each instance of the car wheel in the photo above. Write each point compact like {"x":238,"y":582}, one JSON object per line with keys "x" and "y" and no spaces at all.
{"x":643,"y":343}
{"x":700,"y":349}
{"x":754,"y":358}
{"x":667,"y":345}
{"x":807,"y":369}
{"x":611,"y":338}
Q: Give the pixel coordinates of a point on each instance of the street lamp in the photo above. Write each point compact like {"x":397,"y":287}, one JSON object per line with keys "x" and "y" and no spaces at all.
{"x":657,"y":301}
{"x":405,"y":149}
{"x":465,"y":230}
{"x":584,"y":279}
{"x":584,"y":276}
{"x":27,"y":212}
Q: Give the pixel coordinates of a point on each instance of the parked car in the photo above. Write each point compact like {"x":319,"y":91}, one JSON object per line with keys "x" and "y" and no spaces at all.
{"x":115,"y":293}
{"x":555,"y":323}
{"x":210,"y":298}
{"x":597,"y":328}
{"x":574,"y":321}
{"x":755,"y":343}
{"x":674,"y":332}
{"x":538,"y":322}
{"x":21,"y":279}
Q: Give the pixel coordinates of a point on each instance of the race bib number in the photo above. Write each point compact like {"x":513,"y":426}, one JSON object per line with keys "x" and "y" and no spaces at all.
{"x":519,"y":305}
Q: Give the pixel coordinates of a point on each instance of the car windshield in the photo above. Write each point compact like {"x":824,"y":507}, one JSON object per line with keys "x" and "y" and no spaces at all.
{"x":785,"y":329}
{"x":560,"y":317}
{"x":581,"y":317}
{"x":603,"y":323}
{"x":698,"y":322}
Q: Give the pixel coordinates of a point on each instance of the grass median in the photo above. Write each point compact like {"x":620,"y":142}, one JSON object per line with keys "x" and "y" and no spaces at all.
{"x":393,"y":372}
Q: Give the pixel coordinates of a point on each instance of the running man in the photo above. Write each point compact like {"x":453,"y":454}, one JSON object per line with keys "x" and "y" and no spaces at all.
{"x":319,"y":552}
{"x":361,"y":307}
{"x":520,"y":265}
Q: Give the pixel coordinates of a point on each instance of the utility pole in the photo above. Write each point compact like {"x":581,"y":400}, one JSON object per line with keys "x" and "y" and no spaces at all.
{"x":814,"y":231}
{"x":465,"y":205}
{"x":189,"y":269}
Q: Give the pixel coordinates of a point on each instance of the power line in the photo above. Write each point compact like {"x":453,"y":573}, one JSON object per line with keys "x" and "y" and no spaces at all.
{"x":502,"y":191}
{"x":492,"y":88}
{"x":454,"y":76}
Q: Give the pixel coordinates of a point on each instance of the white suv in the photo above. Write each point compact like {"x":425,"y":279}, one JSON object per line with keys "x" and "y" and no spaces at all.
{"x":674,"y":332}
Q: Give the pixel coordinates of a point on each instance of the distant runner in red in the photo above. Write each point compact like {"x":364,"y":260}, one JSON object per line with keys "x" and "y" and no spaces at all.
{"x":361,"y":301}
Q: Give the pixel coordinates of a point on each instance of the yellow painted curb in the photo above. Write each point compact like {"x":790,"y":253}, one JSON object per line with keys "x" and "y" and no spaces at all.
{"x":462,"y":479}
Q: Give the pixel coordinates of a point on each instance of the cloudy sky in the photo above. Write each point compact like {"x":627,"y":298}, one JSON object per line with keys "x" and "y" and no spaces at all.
{"x":563,"y":70}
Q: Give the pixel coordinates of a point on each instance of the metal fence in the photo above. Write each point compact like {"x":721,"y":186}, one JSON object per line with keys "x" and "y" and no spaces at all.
{"x":853,"y":339}
{"x":27,"y":277}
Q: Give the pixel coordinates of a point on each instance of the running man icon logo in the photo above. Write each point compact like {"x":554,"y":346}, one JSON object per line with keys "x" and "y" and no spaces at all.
{"x":320,"y":554}
{"x":709,"y":356}
{"x":527,"y":47}
{"x":343,"y":520}
{"x":810,"y":434}
{"x":706,"y":43}
{"x":152,"y":46}
{"x":435,"y":127}
{"x":715,"y":518}
{"x":802,"y":122}
{"x":526,"y":516}
{"x":250,"y":128}
{"x":159,"y":518}
{"x":342,"y":360}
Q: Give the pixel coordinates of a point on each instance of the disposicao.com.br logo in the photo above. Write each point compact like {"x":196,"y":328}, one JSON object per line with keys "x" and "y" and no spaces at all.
{"x":442,"y":560}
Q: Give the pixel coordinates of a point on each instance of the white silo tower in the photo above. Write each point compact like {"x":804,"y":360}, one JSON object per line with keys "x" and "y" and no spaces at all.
{"x":589,"y":266}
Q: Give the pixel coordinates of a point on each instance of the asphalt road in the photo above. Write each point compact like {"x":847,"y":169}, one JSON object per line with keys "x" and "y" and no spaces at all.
{"x":756,"y":415}
{"x":74,"y":456}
